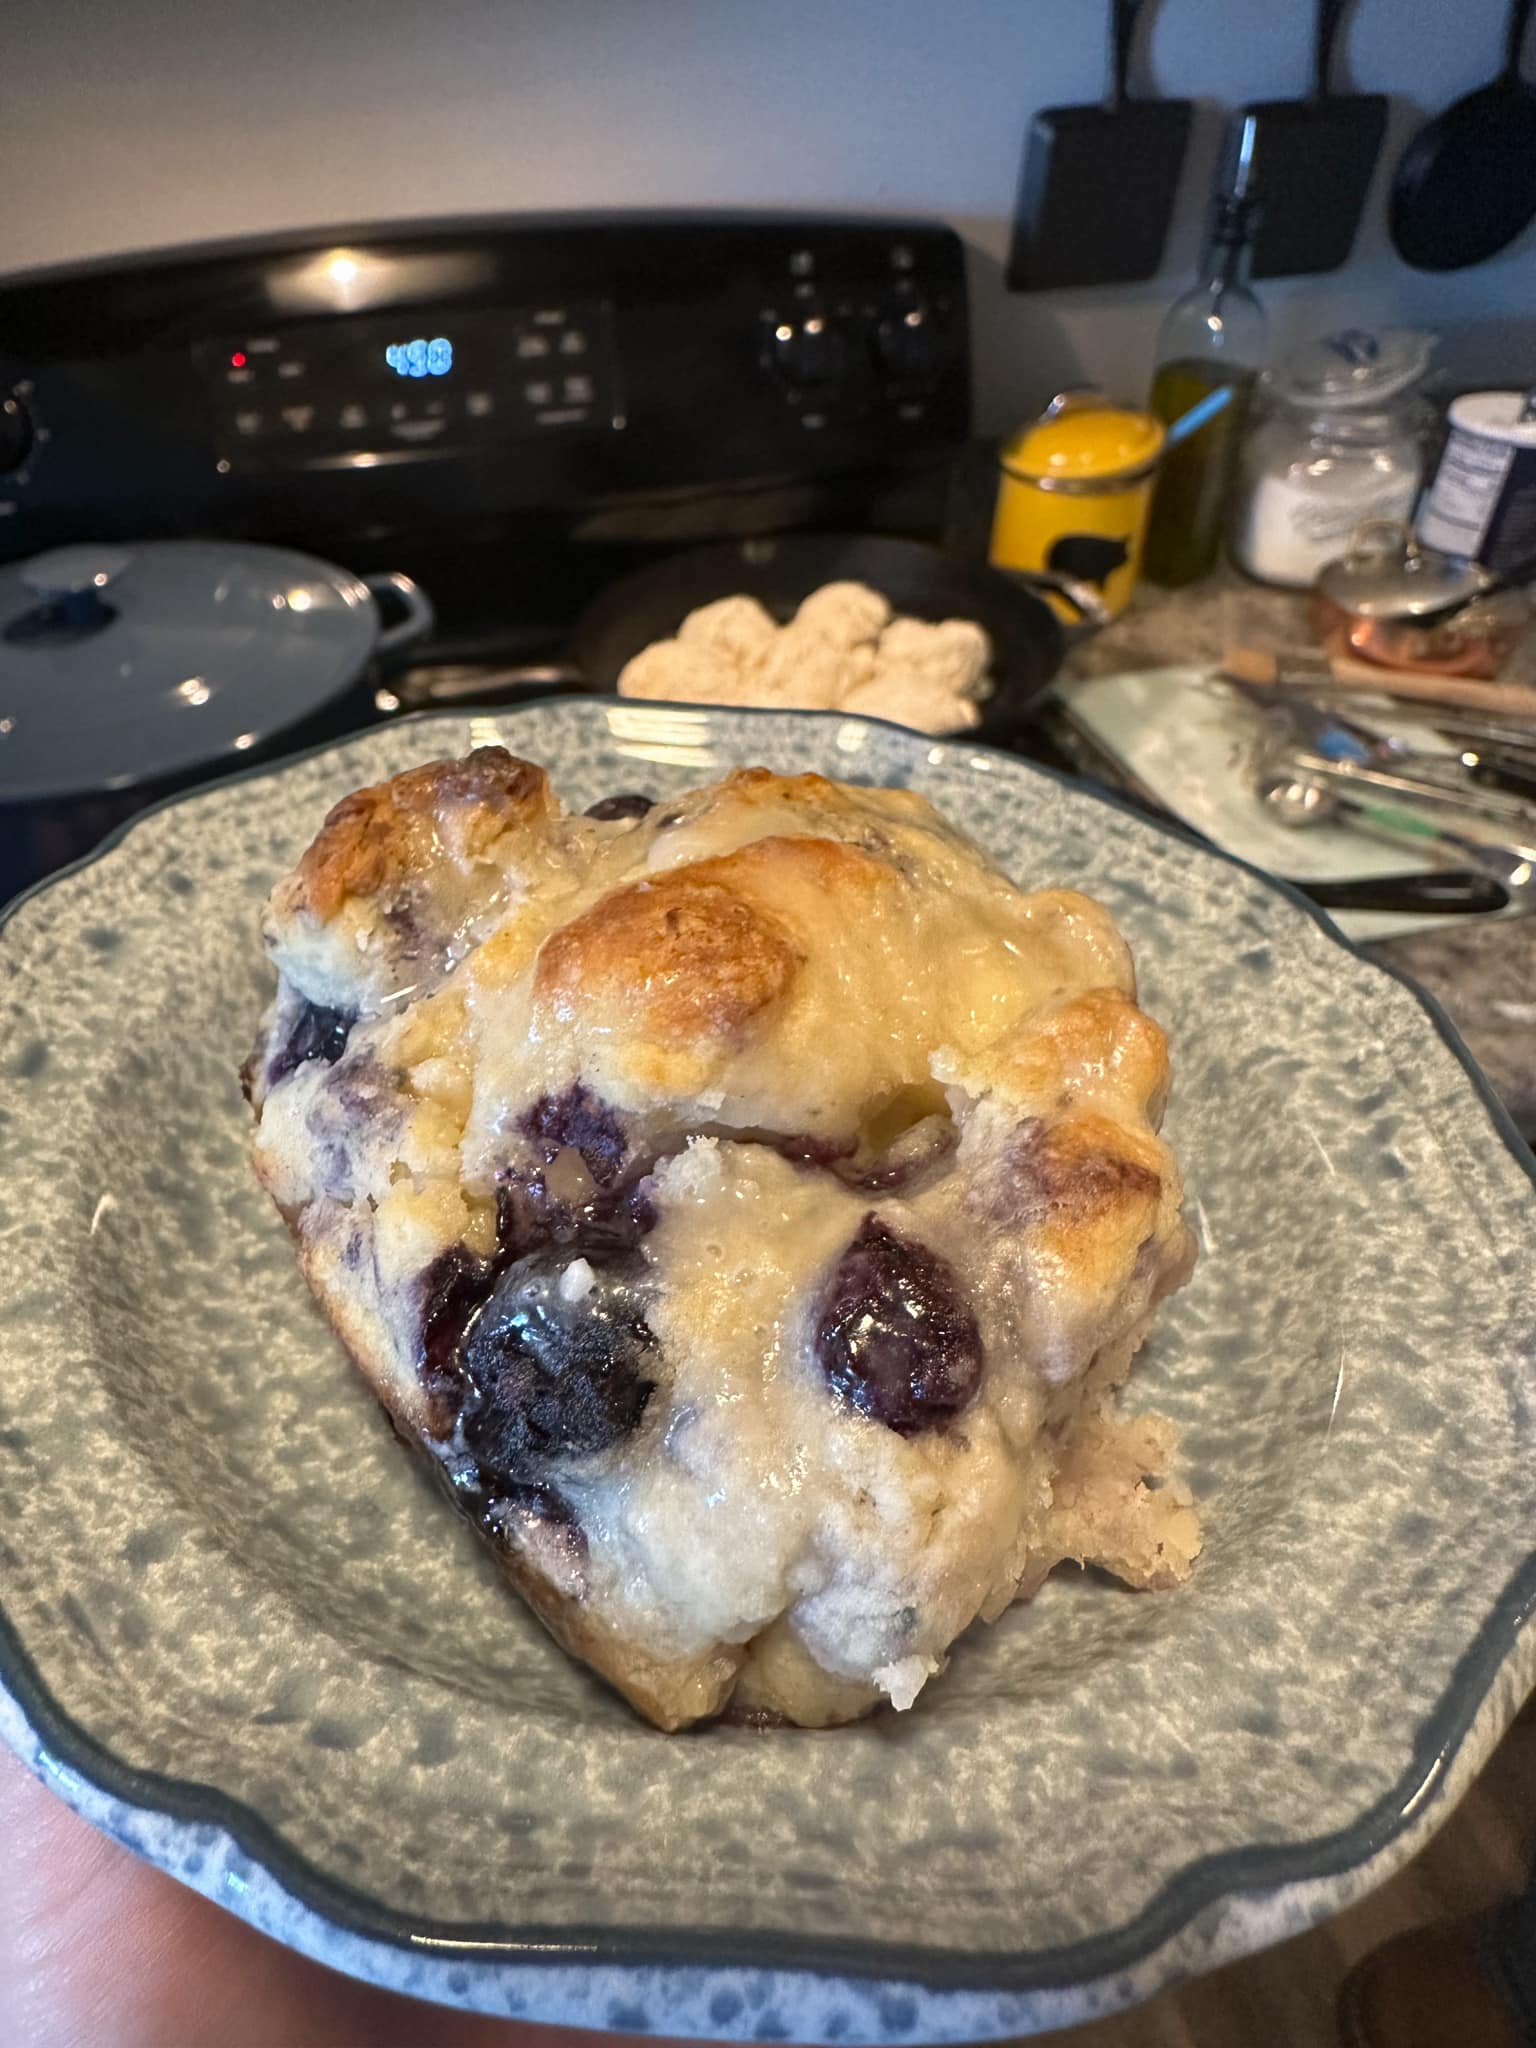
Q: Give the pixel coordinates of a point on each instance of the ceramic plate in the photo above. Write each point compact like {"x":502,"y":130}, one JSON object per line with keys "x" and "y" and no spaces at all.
{"x":242,"y":1632}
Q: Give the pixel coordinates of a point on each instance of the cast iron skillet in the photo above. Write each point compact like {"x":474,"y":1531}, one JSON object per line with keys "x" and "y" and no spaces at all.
{"x":1028,"y":640}
{"x":1028,"y":645}
{"x":1466,"y":185}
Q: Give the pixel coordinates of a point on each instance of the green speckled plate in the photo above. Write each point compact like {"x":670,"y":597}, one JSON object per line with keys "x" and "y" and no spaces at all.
{"x":239,"y":1629}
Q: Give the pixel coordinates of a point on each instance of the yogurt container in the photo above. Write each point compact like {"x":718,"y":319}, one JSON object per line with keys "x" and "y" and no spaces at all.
{"x":1482,"y":504}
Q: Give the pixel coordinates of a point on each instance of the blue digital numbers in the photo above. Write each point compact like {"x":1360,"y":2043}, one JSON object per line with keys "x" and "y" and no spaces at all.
{"x":420,"y":358}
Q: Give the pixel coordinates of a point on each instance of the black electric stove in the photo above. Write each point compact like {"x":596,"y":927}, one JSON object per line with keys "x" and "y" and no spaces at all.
{"x":513,"y":412}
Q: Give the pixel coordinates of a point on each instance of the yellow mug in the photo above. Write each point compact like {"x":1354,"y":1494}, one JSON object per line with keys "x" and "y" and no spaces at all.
{"x":1073,"y":492}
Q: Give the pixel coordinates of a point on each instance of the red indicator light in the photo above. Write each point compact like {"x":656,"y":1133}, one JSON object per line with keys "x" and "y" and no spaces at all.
{"x":237,"y":360}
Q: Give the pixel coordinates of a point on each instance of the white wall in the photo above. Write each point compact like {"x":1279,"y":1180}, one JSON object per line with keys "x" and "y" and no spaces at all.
{"x":147,"y":122}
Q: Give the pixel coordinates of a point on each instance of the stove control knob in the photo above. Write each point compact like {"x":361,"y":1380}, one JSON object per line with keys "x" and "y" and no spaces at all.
{"x":17,"y":433}
{"x":807,"y":351}
{"x":907,"y":345}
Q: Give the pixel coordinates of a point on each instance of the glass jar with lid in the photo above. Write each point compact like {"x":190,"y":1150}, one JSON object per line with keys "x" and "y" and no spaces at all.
{"x":1340,"y":440}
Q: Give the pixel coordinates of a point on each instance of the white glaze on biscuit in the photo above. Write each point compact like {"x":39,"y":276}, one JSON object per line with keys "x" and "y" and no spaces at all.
{"x":769,"y":963}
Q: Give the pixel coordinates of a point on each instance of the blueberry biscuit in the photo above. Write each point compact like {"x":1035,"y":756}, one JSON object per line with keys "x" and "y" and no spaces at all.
{"x":749,"y":1203}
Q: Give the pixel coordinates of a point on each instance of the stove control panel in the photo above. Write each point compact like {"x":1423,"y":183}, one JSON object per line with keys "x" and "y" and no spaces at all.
{"x":870,"y":341}
{"x":369,"y":388}
{"x":405,"y":378}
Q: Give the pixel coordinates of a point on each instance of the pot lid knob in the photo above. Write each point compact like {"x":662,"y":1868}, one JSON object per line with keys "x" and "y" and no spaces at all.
{"x":73,"y":572}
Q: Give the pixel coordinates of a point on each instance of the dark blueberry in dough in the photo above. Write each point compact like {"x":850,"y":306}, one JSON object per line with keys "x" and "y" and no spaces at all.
{"x":317,"y":1035}
{"x":614,"y":1221}
{"x":894,"y":1335}
{"x":1037,"y":1178}
{"x":578,"y":1121}
{"x":529,"y":1217}
{"x":499,"y":1506}
{"x":910,"y":1158}
{"x":803,"y":1148}
{"x":452,"y":1288}
{"x":628,"y":804}
{"x":550,"y":1377}
{"x":617,"y":1219}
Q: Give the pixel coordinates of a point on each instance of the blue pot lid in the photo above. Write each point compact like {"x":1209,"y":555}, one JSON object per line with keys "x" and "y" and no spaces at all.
{"x":127,"y":664}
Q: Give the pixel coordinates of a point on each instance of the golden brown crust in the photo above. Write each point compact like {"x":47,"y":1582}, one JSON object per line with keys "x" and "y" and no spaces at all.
{"x":1095,"y":1176}
{"x":1099,"y":1034}
{"x":696,"y":953}
{"x":372,"y":838}
{"x":1100,"y":1187}
{"x":762,"y":785}
{"x":688,"y":958}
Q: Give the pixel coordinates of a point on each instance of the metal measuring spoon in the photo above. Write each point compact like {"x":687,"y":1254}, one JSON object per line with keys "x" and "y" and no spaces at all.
{"x":1498,"y":876}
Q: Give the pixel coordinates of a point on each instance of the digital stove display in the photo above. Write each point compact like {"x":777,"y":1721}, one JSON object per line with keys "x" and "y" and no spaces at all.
{"x":420,"y":358}
{"x":332,"y":390}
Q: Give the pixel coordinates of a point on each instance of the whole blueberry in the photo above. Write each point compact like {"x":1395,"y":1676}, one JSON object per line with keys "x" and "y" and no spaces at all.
{"x":452,"y":1290}
{"x":317,"y":1034}
{"x":555,"y":1371}
{"x":529,"y":1216}
{"x":578,"y":1121}
{"x":894,"y":1334}
{"x":627,"y":804}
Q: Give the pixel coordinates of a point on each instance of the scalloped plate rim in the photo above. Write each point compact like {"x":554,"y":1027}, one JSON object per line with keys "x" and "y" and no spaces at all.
{"x":1203,"y":1883}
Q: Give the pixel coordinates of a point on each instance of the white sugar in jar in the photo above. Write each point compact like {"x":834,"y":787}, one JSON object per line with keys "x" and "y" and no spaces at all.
{"x":1338,"y":443}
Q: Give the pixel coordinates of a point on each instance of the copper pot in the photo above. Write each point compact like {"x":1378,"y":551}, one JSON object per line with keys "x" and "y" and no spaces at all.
{"x":1366,"y":605}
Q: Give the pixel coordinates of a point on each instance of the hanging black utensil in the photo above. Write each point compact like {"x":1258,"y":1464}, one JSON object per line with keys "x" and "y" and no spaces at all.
{"x":1466,"y":184}
{"x":1309,"y":163}
{"x":1099,"y":182}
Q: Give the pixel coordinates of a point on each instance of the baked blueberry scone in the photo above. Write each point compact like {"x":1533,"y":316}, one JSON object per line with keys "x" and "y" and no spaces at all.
{"x":750,"y":1203}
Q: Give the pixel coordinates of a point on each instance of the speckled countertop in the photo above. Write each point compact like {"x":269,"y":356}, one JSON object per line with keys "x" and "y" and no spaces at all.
{"x":1482,"y":972}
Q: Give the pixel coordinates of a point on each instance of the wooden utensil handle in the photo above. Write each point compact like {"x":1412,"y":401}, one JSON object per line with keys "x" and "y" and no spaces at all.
{"x":1515,"y":698}
{"x":1511,"y":700}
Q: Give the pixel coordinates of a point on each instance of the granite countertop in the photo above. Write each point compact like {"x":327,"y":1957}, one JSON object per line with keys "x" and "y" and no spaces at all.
{"x":1482,"y":971}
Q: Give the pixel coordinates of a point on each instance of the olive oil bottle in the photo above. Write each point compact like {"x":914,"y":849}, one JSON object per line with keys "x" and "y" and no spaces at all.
{"x":1212,"y":338}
